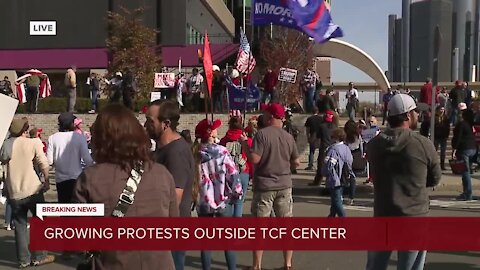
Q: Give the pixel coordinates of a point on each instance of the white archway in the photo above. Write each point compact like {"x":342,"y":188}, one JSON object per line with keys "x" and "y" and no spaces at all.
{"x":354,"y":56}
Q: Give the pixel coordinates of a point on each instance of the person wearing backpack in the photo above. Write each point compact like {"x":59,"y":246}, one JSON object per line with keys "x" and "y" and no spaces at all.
{"x":214,"y":164}
{"x":338,"y":171}
{"x":230,"y":141}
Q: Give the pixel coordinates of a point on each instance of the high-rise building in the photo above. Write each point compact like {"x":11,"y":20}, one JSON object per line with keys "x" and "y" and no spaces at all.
{"x":464,"y":13}
{"x":459,"y":51}
{"x":425,"y":17}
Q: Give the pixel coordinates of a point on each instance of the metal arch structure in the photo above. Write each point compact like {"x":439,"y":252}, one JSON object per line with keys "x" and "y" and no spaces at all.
{"x":355,"y":56}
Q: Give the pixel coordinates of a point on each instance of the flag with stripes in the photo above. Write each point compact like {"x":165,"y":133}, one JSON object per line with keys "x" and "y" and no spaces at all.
{"x":245,"y":60}
{"x":45,"y":88}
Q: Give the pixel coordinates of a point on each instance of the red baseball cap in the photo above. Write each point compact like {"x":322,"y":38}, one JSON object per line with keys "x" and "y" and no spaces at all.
{"x":275,"y":109}
{"x":204,"y":128}
{"x":329,"y":116}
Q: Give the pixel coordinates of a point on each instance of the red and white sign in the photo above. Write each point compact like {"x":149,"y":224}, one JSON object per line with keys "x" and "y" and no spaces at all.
{"x":164,"y":80}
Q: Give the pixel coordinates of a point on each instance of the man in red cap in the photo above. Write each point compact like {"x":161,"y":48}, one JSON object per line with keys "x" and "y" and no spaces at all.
{"x":323,"y":133}
{"x":274,"y":153}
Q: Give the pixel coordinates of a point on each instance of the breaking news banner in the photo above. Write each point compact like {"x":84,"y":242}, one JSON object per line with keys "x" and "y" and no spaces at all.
{"x":142,"y":233}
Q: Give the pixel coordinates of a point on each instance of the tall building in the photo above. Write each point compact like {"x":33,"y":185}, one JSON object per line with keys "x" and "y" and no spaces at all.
{"x":464,"y":13}
{"x":459,"y":24}
{"x":425,"y":17}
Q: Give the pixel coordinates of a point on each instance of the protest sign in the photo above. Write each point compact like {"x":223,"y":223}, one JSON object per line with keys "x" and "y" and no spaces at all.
{"x":164,"y":80}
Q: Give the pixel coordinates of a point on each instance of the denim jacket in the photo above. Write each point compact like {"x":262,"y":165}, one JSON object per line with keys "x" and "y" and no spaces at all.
{"x":337,"y":155}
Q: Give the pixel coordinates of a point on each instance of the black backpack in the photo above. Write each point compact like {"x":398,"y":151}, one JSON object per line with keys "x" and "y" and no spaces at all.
{"x":345,"y":175}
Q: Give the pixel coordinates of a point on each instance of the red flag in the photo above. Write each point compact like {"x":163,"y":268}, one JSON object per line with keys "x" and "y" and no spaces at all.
{"x":207,"y":64}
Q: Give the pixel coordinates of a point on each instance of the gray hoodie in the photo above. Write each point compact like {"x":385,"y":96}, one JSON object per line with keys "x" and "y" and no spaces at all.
{"x":403,"y":164}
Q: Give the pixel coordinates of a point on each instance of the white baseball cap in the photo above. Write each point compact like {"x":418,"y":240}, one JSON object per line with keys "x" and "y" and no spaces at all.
{"x":216,"y":68}
{"x":401,"y":103}
{"x":118,"y":73}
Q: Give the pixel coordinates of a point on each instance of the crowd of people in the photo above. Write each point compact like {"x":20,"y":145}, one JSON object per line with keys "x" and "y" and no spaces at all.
{"x":93,"y":167}
{"x":210,"y":173}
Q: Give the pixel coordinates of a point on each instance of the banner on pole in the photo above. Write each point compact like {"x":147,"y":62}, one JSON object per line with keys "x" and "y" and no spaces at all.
{"x":236,"y":97}
{"x":287,"y":75}
{"x":164,"y":80}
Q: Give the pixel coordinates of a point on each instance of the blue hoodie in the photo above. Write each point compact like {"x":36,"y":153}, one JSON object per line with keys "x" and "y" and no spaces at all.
{"x":337,"y":155}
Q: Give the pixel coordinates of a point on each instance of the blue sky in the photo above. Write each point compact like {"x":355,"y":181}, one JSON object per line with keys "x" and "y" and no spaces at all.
{"x":365,"y":24}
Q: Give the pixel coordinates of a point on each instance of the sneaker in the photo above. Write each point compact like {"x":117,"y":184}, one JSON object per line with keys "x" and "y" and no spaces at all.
{"x":91,"y":111}
{"x":350,"y":201}
{"x":8,"y":228}
{"x":48,"y":259}
{"x":23,"y":265}
{"x":463,"y":197}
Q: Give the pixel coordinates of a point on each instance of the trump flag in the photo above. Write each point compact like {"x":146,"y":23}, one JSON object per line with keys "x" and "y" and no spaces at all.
{"x":309,"y":16}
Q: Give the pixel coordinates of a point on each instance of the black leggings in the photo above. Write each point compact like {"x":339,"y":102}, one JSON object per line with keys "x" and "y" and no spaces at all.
{"x":65,"y":191}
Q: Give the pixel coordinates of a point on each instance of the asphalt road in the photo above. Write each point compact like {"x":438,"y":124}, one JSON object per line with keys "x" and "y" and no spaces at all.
{"x":309,"y":204}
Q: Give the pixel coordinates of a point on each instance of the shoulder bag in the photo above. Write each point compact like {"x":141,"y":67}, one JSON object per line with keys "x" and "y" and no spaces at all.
{"x":126,"y":198}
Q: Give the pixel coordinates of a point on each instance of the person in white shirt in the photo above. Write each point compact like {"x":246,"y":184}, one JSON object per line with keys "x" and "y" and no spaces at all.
{"x":65,"y":152}
{"x":352,"y":101}
{"x":195,"y":83}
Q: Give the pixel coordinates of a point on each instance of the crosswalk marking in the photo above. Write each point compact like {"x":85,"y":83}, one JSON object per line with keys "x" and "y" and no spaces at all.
{"x":474,"y":204}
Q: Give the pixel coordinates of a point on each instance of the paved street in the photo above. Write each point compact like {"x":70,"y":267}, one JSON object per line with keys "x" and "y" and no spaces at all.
{"x":308,"y":203}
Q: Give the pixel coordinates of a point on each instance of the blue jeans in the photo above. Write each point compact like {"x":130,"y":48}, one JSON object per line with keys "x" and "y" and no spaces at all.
{"x":94,"y":98}
{"x":238,"y":205}
{"x":311,"y":155}
{"x":309,"y":99}
{"x":351,"y":113}
{"x":336,"y":203}
{"x":466,"y":155}
{"x":454,"y":115}
{"x":353,"y":188}
{"x":20,"y":210}
{"x":407,"y":260}
{"x":179,"y":259}
{"x":206,"y":256}
{"x":8,"y":214}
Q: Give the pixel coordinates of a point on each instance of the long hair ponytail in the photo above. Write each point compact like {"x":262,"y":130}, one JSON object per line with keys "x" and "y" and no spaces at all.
{"x":196,"y":177}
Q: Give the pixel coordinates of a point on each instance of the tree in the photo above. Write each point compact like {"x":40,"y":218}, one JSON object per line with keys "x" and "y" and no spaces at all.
{"x":131,"y":45}
{"x":287,"y":48}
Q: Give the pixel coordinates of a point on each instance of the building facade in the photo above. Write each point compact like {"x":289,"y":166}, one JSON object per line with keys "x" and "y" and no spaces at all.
{"x":82,"y":30}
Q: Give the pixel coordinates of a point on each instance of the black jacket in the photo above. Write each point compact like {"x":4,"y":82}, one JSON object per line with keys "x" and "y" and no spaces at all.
{"x":463,"y":138}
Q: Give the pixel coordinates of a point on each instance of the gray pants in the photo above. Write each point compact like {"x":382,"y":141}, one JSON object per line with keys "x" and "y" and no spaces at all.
{"x":20,"y":209}
{"x":72,"y":98}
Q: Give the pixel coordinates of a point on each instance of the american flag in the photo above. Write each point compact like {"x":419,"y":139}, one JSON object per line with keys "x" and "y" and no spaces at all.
{"x":245,"y":60}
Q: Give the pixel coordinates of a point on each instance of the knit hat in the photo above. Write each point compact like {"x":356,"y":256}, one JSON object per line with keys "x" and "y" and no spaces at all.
{"x":17,"y":125}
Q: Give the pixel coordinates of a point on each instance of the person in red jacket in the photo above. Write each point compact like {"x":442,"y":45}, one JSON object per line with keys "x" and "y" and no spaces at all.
{"x":426,"y":92}
{"x":270,"y":81}
{"x":230,"y":141}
